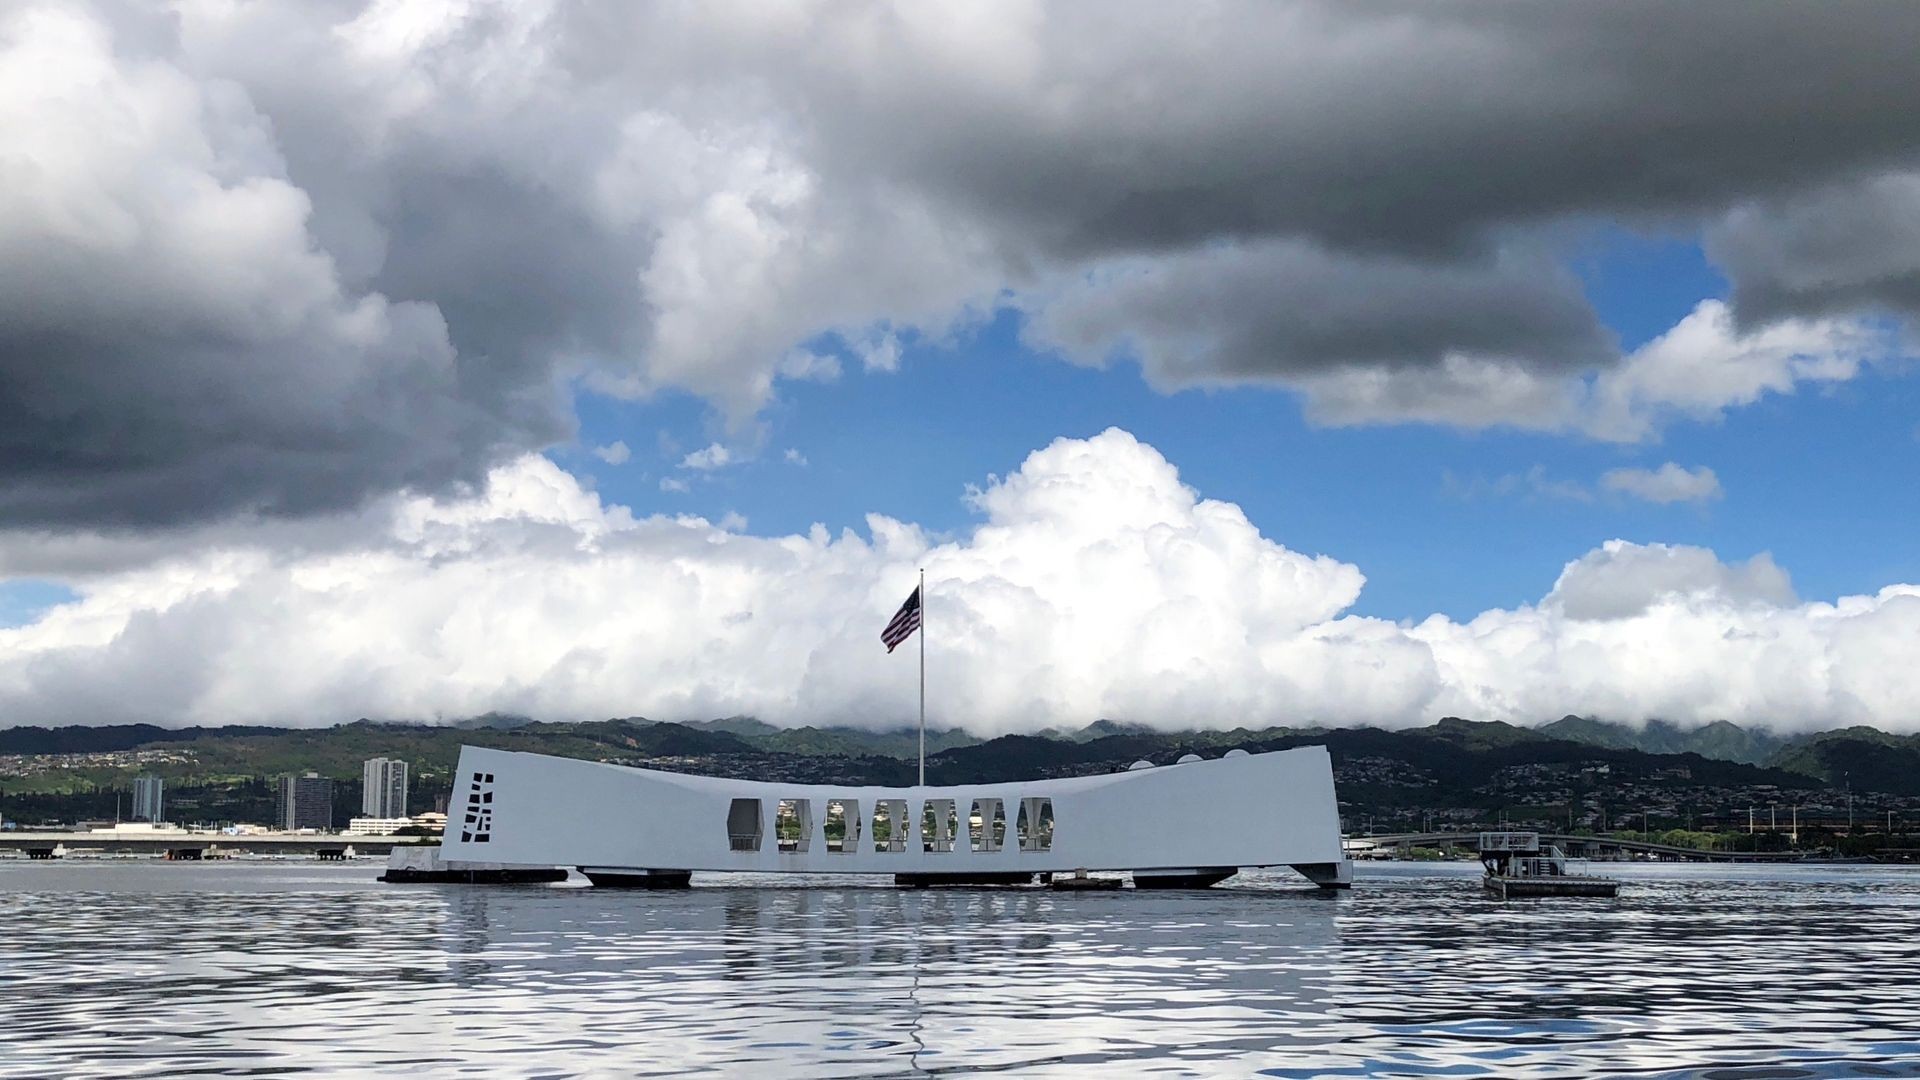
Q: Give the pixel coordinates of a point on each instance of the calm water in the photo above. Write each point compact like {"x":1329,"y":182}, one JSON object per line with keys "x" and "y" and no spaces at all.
{"x":117,"y":968}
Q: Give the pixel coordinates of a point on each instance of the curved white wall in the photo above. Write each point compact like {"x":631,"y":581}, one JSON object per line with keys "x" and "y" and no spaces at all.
{"x":1271,"y":809}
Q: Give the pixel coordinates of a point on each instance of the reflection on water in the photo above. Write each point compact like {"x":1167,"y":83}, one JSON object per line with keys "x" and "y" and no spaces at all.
{"x":149,"y":968}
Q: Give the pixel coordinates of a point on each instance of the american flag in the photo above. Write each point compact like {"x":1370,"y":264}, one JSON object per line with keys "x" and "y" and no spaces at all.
{"x":905,"y":622}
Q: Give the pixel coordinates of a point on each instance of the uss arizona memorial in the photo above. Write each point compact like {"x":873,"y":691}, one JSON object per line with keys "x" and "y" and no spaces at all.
{"x":1182,"y":825}
{"x":1190,"y":824}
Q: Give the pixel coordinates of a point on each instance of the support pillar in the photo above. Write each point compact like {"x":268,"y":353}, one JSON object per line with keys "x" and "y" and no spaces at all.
{"x":1333,"y":875}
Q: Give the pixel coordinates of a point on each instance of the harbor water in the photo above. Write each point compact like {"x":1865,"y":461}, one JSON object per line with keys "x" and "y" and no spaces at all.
{"x":138,"y":968}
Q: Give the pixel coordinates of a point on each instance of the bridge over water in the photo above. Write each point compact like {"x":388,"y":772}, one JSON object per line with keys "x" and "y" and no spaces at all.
{"x":194,"y":845}
{"x":1594,"y":847}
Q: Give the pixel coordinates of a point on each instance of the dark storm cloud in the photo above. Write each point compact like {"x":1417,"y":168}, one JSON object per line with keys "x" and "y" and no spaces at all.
{"x":1232,"y":314}
{"x":1848,"y":247}
{"x":1410,"y":127}
{"x":119,"y":409}
{"x":1366,"y":167}
{"x":185,"y":337}
{"x":279,"y":259}
{"x":144,"y":432}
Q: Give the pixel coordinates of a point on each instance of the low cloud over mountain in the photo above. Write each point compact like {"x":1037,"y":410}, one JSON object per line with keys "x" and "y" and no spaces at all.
{"x":1095,"y":584}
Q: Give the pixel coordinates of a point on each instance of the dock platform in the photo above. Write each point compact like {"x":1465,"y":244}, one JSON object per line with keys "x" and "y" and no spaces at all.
{"x":422,"y":865}
{"x":1519,"y":865}
{"x":1509,"y":888}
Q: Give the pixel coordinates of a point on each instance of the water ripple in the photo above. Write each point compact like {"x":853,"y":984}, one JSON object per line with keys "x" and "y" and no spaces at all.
{"x":123,"y":969}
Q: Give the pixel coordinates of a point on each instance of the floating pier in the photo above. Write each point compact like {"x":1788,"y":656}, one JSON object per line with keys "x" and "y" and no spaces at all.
{"x":1519,"y":865}
{"x":611,"y":877}
{"x":1006,"y":879}
{"x":1187,"y":878}
{"x":1081,"y":881}
{"x":422,"y":865}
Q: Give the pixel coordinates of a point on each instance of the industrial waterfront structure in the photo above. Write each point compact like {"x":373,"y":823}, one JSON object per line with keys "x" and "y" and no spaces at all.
{"x":1400,"y":845}
{"x":383,"y":788}
{"x":372,"y":826}
{"x":191,"y":844}
{"x":1191,"y":823}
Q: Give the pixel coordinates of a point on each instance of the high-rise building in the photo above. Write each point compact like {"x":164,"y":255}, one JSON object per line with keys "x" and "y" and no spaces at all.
{"x":383,"y":787}
{"x":146,"y":799}
{"x":303,"y":802}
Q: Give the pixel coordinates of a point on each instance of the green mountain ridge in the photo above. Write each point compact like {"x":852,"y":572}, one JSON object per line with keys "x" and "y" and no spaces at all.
{"x":1719,"y":739}
{"x":1860,"y":758}
{"x":1456,"y":762}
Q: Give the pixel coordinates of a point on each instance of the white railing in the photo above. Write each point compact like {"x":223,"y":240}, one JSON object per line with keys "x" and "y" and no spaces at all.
{"x":1553,"y":864}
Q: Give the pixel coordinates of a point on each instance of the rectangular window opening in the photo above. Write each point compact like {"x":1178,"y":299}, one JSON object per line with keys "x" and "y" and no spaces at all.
{"x":987,"y":825}
{"x":793,"y":824}
{"x":1035,"y":827}
{"x":743,"y":825}
{"x":939,"y":824}
{"x":890,"y":825}
{"x":842,"y":826}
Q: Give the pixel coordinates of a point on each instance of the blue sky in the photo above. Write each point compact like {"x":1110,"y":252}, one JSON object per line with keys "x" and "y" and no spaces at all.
{"x":22,"y":600}
{"x":1812,"y":477}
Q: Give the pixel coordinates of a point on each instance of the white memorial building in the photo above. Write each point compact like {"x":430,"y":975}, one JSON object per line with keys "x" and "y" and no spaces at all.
{"x":1187,"y":824}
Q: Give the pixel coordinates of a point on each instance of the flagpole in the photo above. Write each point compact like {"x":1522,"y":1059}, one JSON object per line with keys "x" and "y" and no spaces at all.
{"x":922,"y":677}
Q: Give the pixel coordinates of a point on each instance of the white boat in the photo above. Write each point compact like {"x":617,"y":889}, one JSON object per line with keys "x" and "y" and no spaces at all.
{"x":1186,"y":824}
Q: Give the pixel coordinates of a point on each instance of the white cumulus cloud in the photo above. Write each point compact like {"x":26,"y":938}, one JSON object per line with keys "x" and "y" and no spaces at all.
{"x":1707,"y":364}
{"x":713,"y":456}
{"x":1620,"y":580}
{"x":1670,"y":483}
{"x":1699,"y":369}
{"x":614,"y":453}
{"x":1095,"y":584}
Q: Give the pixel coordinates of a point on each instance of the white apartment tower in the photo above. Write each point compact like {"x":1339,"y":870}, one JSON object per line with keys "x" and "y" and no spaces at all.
{"x":383,"y":783}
